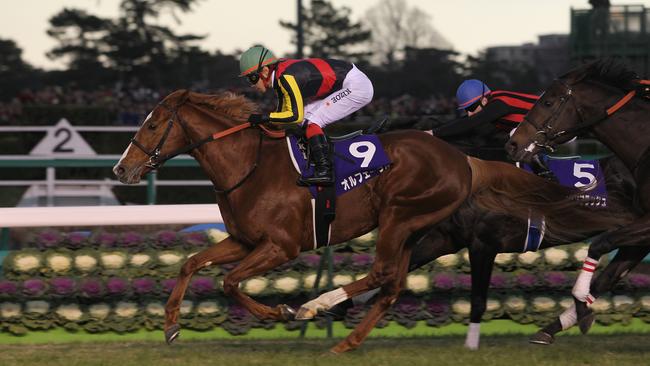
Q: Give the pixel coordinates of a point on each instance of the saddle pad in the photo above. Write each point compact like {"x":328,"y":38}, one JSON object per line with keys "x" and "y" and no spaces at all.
{"x":356,"y":160}
{"x":578,"y":174}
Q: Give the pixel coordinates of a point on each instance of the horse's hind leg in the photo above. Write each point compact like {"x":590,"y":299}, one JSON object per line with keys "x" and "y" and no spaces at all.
{"x":387,"y":296}
{"x":226,"y":251}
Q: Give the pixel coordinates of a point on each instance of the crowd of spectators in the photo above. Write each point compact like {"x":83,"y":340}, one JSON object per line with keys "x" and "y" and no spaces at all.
{"x":129,"y":104}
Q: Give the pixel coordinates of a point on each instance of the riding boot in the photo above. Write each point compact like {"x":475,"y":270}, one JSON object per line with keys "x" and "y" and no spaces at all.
{"x":539,"y":167}
{"x":319,"y":153}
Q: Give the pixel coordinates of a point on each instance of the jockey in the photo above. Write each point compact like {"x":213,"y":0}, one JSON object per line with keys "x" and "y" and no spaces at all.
{"x":311,"y":92}
{"x":491,"y":113}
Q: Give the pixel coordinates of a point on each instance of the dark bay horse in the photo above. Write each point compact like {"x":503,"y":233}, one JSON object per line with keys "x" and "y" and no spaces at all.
{"x":269,"y":217}
{"x":611,"y":103}
{"x":486,"y":234}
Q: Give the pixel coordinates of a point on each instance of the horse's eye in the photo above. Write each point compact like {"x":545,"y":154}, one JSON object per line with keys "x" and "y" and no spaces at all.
{"x":151,"y":126}
{"x":548,"y":103}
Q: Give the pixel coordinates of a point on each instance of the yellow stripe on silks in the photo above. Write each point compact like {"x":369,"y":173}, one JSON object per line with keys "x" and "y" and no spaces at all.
{"x":288,"y":115}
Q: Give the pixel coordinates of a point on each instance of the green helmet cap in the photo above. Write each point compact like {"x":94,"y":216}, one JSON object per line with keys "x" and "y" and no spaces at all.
{"x":254,"y":58}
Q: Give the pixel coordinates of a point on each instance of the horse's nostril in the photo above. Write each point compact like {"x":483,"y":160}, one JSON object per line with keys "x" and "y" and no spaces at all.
{"x":119,"y":170}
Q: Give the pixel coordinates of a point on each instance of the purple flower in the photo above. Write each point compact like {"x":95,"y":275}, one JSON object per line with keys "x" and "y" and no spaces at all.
{"x":408,"y":305}
{"x":362,"y":260}
{"x":639,"y":280}
{"x":166,"y":238}
{"x":195,"y":238}
{"x":76,"y":240}
{"x":438,"y":306}
{"x":91,"y":287}
{"x":526,"y":280}
{"x":310,"y":260}
{"x":8,"y":288}
{"x":339,"y":259}
{"x":143,"y":285}
{"x":62,"y":285}
{"x":555,"y":279}
{"x":131,"y":239}
{"x":117,"y":286}
{"x":49,"y":239}
{"x":238,"y":311}
{"x":444,"y":281}
{"x":168,"y":285}
{"x":464,"y":281}
{"x":34,"y":287}
{"x":499,"y":281}
{"x":105,"y":239}
{"x":202,"y":285}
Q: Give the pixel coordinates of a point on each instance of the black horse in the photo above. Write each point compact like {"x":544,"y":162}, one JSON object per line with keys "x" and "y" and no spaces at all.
{"x":604,"y":99}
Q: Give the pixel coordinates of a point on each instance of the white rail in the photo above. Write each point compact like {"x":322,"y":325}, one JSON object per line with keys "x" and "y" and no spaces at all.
{"x":109,"y":215}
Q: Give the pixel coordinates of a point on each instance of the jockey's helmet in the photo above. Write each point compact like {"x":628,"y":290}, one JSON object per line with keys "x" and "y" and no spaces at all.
{"x":254,"y":58}
{"x":470,"y":92}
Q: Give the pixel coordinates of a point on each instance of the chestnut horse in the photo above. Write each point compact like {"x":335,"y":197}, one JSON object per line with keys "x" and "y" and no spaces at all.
{"x":611,"y":103}
{"x":269,"y":218}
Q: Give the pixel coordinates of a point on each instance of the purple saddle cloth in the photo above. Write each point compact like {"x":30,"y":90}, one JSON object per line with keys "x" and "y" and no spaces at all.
{"x":356,"y":160}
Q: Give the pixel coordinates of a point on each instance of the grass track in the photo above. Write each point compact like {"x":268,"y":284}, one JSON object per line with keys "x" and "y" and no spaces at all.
{"x":597,"y":350}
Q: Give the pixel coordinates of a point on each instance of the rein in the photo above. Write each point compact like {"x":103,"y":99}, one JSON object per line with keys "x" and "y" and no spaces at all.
{"x":156,"y":159}
{"x":546,"y":128}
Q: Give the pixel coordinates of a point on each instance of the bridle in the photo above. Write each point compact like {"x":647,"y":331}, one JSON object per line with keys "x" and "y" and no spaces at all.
{"x":156,"y":159}
{"x":546,"y":138}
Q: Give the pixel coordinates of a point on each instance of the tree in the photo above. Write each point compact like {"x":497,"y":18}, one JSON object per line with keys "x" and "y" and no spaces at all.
{"x":11,"y":59}
{"x":329,"y":32}
{"x":395,"y":26}
{"x":502,"y":75}
{"x":80,"y":36}
{"x":15,"y":73}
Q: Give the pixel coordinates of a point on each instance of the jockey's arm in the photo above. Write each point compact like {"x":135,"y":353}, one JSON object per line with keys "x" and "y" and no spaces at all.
{"x":290,"y":104}
{"x":461,"y":126}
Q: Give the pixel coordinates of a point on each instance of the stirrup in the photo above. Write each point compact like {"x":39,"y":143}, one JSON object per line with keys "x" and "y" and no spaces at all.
{"x":315,"y":181}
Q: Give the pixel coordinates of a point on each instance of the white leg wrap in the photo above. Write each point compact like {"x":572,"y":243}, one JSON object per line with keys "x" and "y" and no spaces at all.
{"x":327,"y":300}
{"x":582,"y":287}
{"x":569,"y":317}
{"x":473,"y":336}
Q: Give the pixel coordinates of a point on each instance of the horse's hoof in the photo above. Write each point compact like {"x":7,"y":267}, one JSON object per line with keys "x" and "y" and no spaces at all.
{"x":305,"y":314}
{"x":339,"y":348}
{"x":541,"y":338}
{"x":586,"y":322}
{"x":286,"y":312}
{"x":172,"y":333}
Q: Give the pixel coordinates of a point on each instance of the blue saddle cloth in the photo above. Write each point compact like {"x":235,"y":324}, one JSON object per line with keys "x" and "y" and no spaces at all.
{"x":576,"y":173}
{"x":356,"y":160}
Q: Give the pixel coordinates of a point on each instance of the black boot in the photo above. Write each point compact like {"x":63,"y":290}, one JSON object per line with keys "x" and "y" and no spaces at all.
{"x":539,"y":167}
{"x":319,"y":153}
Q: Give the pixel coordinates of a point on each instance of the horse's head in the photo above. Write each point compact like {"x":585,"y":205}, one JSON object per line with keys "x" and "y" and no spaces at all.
{"x":552,"y":121}
{"x":160,"y":134}
{"x":574,"y":103}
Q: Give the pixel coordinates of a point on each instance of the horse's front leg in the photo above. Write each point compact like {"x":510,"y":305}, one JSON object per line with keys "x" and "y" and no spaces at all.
{"x":226,"y":251}
{"x":263,"y":258}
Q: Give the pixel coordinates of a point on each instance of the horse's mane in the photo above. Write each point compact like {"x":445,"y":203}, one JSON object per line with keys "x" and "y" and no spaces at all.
{"x":609,"y":71}
{"x":231,"y":104}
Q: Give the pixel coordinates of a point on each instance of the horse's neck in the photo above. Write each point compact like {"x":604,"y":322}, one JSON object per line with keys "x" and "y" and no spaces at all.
{"x":627,"y":132}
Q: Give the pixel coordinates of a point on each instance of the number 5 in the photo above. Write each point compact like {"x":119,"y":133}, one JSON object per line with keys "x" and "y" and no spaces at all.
{"x":579,"y":172}
{"x":367,"y":155}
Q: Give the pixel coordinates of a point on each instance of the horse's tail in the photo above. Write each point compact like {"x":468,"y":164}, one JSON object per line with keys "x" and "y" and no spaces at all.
{"x":504,"y":188}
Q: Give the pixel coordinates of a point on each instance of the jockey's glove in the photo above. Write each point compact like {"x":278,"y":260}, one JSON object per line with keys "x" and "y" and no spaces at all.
{"x":258,"y":119}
